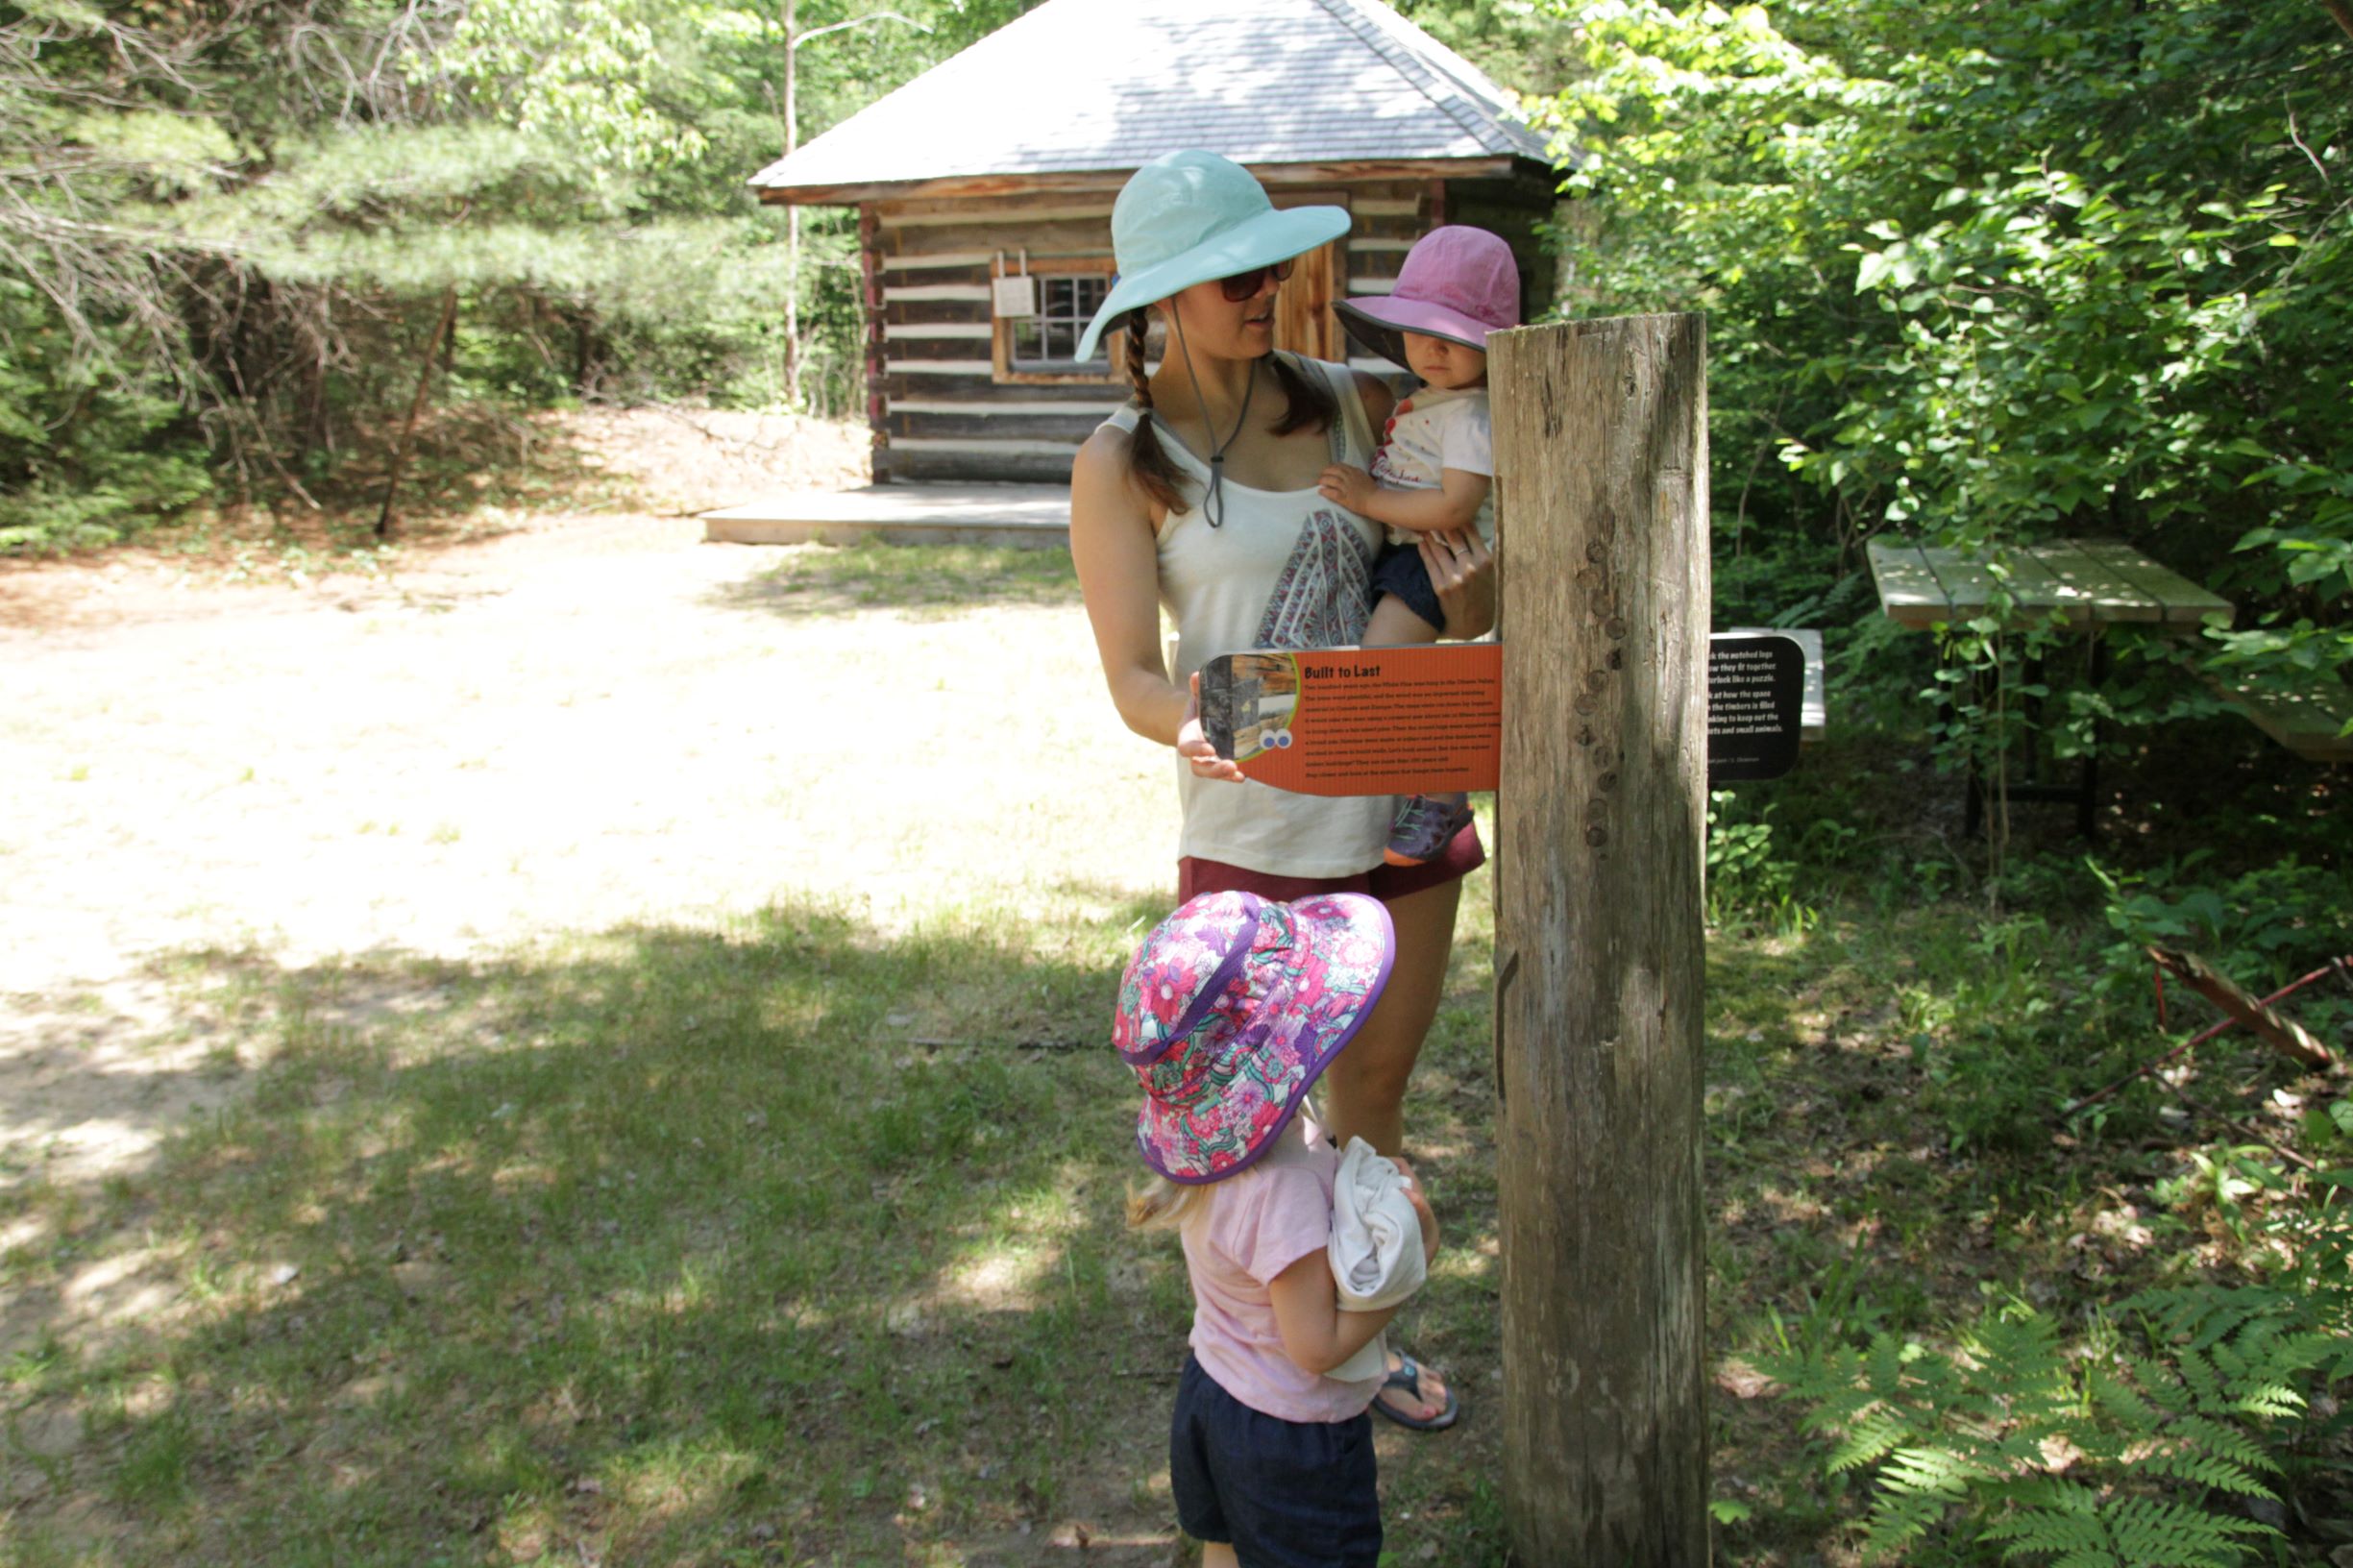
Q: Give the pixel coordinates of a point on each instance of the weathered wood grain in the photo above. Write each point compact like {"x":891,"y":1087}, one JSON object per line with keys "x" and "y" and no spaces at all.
{"x":1043,"y":238}
{"x":1602,"y":445}
{"x":1027,"y":467}
{"x":1909,"y":592}
{"x":980,"y":396}
{"x":902,"y":313}
{"x":2276,"y":1028}
{"x":1348,"y":172}
{"x":2106,"y":596}
{"x":1070,"y":427}
{"x":2308,"y":719}
{"x":2090,"y":582}
{"x":2044,"y":592}
{"x":2186,"y":603}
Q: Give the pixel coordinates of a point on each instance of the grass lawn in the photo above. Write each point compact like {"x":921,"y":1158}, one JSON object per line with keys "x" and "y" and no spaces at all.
{"x":790,"y":1235}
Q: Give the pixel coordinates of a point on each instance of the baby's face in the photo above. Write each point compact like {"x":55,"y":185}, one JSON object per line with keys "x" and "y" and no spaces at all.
{"x":1442,"y":362}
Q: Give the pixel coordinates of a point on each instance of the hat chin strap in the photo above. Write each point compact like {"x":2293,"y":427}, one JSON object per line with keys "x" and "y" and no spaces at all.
{"x":1213,"y":500}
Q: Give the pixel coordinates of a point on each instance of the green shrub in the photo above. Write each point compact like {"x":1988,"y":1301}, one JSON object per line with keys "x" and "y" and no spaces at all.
{"x":2262,"y":928}
{"x":1748,"y":884}
{"x":2130,"y":1446}
{"x":92,"y":449}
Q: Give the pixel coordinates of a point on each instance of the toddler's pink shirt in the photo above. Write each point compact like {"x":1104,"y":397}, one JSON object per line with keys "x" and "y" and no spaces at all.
{"x":1255,"y":1226}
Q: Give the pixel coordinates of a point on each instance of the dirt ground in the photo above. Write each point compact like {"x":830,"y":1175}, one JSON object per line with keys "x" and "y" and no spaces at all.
{"x":577,"y":721}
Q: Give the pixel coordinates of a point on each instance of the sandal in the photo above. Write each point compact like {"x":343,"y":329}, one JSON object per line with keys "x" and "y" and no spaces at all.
{"x":1408,"y":1376}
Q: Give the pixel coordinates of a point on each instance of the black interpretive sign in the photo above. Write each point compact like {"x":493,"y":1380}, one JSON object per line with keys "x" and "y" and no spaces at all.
{"x":1755,"y":705}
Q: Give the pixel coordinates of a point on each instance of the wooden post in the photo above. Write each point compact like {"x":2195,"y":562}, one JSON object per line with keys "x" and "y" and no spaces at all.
{"x":1602,"y":430}
{"x":877,"y":344}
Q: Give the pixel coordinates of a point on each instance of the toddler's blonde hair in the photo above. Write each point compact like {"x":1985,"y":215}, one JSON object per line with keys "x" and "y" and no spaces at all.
{"x":1162,"y":1205}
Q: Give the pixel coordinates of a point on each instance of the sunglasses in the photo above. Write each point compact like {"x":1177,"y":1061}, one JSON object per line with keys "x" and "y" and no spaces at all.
{"x":1243,"y":284}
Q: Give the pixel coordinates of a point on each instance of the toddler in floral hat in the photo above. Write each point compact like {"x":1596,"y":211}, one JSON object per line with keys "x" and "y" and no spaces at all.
{"x":1227,"y":1014}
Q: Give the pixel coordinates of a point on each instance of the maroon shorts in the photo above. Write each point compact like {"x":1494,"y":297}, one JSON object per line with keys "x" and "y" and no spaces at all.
{"x":1465,"y":855}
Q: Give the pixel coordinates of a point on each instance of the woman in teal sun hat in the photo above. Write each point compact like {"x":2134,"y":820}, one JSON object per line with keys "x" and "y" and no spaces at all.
{"x":1201,"y":494}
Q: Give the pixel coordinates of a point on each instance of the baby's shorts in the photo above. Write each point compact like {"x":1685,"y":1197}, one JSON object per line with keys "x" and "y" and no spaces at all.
{"x":1283,"y":1494}
{"x":1398,"y":569}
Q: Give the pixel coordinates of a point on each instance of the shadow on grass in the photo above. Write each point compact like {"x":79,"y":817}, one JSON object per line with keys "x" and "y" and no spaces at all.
{"x":798,"y":1240}
{"x":920,"y":582}
{"x":792,"y":1240}
{"x":663,"y":1244}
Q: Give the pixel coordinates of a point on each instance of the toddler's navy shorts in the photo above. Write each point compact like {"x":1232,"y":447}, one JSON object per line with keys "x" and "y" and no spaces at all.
{"x":1398,"y":569}
{"x":1283,"y":1494}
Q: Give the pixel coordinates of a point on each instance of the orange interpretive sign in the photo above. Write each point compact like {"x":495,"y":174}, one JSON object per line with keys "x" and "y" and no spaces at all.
{"x":1359,"y":721}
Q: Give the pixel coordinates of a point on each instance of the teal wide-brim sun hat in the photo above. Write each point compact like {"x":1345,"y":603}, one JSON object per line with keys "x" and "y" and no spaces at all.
{"x":1187,"y":217}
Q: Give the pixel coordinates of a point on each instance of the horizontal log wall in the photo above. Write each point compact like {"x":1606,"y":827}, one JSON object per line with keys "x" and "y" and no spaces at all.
{"x":1387,"y":219}
{"x":943,"y":413}
{"x":938,"y":407}
{"x":1513,"y":208}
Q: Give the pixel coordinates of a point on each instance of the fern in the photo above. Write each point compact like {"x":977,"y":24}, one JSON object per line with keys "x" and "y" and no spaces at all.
{"x":2118,"y":1453}
{"x":2121,"y":1452}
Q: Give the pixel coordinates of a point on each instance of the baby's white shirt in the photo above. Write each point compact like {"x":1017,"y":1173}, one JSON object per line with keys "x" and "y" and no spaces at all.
{"x":1436,"y":429}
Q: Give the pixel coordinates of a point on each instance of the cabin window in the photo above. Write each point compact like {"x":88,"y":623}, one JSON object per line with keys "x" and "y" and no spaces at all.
{"x":1046,"y":346}
{"x":1049,"y":339}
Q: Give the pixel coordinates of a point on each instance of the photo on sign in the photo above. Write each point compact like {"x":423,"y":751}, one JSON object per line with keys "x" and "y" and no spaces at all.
{"x":1247,"y":703}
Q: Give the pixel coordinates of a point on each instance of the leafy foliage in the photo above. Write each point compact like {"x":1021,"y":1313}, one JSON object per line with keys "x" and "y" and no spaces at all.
{"x":226,"y":232}
{"x":2121,"y":1451}
{"x":1990,"y":277}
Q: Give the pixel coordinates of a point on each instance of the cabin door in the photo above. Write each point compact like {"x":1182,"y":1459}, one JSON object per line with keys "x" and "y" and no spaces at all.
{"x":1304,"y":321}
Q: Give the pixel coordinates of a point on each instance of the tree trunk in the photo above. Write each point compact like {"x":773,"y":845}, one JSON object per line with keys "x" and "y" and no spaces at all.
{"x":792,"y":214}
{"x":416,"y":406}
{"x":584,"y":351}
{"x":1602,"y":441}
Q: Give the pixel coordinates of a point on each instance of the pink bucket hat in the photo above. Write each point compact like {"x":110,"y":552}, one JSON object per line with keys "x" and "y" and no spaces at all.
{"x":1458,"y":282}
{"x":1229,"y":1011}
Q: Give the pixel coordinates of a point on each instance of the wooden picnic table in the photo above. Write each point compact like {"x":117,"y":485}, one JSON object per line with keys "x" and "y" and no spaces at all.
{"x":2088,"y":583}
{"x":2092,"y":582}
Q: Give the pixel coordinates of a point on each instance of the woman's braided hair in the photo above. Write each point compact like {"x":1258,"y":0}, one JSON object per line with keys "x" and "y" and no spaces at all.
{"x":1148,"y":463}
{"x":1307,"y":405}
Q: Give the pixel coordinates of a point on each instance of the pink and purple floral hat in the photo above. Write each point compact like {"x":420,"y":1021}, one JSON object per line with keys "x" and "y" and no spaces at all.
{"x":1229,"y":1011}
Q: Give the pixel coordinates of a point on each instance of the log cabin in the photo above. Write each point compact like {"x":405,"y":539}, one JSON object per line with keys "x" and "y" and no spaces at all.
{"x":983,"y":190}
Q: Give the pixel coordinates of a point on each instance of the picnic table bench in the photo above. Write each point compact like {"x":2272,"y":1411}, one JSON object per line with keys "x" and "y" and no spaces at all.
{"x":2097,"y":582}
{"x":2092,"y":582}
{"x":2086,"y":583}
{"x":2308,"y":719}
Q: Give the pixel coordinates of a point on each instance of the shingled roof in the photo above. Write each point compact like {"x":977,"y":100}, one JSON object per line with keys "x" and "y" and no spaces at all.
{"x":1105,"y":86}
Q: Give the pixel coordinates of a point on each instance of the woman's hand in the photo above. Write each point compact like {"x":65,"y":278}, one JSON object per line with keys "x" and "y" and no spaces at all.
{"x":1195,"y":746}
{"x":1420,"y":1199}
{"x":1351,"y":487}
{"x":1462,"y":570}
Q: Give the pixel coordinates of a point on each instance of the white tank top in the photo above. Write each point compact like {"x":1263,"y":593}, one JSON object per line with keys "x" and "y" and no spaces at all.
{"x":1285,"y":569}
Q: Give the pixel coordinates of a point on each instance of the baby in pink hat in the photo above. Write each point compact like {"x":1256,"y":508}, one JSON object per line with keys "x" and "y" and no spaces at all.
{"x":1432,"y":478}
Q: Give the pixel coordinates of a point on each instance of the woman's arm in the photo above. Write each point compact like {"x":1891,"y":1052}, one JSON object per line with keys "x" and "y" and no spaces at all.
{"x":1112,"y":543}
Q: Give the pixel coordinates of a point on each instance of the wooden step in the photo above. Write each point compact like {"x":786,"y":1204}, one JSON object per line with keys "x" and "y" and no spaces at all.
{"x":1018,"y":514}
